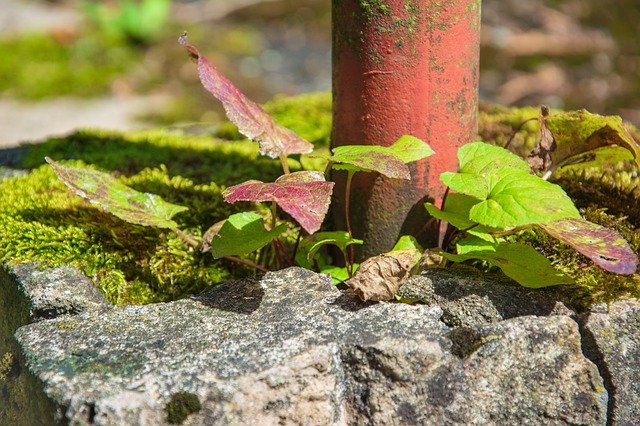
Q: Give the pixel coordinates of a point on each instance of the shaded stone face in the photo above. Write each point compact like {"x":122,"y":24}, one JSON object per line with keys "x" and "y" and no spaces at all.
{"x":612,"y":339}
{"x":290,"y":347}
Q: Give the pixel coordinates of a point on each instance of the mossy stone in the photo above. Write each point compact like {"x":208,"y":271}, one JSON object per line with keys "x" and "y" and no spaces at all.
{"x":181,"y":405}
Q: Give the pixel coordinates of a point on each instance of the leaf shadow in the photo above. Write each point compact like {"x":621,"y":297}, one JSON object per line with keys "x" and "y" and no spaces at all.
{"x":201,"y":159}
{"x":238,"y":296}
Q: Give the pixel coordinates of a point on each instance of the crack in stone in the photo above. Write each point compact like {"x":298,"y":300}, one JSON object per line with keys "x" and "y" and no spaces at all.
{"x":593,"y":353}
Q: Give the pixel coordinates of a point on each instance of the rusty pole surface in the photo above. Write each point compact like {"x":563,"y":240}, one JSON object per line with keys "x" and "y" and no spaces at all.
{"x":402,"y":67}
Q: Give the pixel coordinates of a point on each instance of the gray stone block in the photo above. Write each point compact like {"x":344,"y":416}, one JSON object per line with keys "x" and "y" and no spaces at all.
{"x":612,"y":340}
{"x":290,"y":348}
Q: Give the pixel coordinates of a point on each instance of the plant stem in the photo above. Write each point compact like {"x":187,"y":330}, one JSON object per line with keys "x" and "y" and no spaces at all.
{"x":247,"y":263}
{"x":275,"y":241}
{"x":297,"y":245}
{"x":442,"y":229}
{"x":515,"y":132}
{"x":285,"y":165}
{"x":347,"y":207}
{"x":327,"y":170}
{"x":186,"y":238}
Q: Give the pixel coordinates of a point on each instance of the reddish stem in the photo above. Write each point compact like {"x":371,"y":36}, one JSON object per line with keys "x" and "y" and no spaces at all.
{"x":347,"y":211}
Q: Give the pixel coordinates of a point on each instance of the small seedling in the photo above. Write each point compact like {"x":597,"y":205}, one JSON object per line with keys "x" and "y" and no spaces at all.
{"x":494,"y":195}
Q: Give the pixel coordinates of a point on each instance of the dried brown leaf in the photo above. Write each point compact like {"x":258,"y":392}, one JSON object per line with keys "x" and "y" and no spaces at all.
{"x":380,"y":277}
{"x":540,"y":157}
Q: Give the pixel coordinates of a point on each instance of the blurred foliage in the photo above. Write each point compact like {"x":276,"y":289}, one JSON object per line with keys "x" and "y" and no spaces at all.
{"x":35,"y":66}
{"x":130,"y":20}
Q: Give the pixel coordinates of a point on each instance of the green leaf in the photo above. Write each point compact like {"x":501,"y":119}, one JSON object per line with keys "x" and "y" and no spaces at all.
{"x":407,"y":242}
{"x":477,"y":161}
{"x":509,"y":195}
{"x":479,"y":158}
{"x":409,"y":149}
{"x":456,"y":212}
{"x":518,"y":261}
{"x":577,"y":132}
{"x":338,"y":274}
{"x":241,"y":234}
{"x":310,"y":245}
{"x":521,"y":199}
{"x":116,"y":198}
{"x":389,"y":161}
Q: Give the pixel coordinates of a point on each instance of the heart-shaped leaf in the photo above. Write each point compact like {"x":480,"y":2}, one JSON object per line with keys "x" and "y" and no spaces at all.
{"x":604,"y":246}
{"x":518,"y":261}
{"x":239,"y":235}
{"x":252,"y":121}
{"x":520,"y":199}
{"x":387,"y":160}
{"x":116,"y":198}
{"x":310,"y":245}
{"x":304,"y":195}
{"x":509,"y":195}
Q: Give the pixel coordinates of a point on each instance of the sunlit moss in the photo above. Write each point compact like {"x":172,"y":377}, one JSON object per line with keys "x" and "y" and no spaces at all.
{"x":40,"y":219}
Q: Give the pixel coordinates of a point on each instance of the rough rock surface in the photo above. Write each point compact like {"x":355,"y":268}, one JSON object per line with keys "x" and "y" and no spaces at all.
{"x":290,"y":348}
{"x":57,"y":291}
{"x":468,"y":297}
{"x":612,"y":339}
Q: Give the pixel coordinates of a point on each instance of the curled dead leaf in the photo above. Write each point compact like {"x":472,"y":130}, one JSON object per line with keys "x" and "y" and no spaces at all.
{"x":380,"y":277}
{"x":540,"y":157}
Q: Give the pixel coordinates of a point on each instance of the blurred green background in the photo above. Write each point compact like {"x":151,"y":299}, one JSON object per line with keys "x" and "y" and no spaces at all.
{"x":75,"y":63}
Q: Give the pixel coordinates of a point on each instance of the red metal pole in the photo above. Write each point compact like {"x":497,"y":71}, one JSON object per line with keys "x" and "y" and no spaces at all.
{"x":402,"y":67}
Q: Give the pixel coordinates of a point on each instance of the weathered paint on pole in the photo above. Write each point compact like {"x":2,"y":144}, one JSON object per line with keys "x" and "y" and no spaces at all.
{"x":402,"y":67}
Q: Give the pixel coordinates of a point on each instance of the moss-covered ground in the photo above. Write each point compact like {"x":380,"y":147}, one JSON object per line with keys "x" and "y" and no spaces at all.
{"x":40,"y":220}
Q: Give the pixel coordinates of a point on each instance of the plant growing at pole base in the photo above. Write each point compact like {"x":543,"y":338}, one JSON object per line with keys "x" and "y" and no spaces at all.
{"x":493,"y":196}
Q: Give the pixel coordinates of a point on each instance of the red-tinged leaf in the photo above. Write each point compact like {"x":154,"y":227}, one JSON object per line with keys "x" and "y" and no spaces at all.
{"x":604,"y":246}
{"x":116,"y":198}
{"x":304,"y":195}
{"x":354,"y":158}
{"x":251,"y":119}
{"x":578,"y":132}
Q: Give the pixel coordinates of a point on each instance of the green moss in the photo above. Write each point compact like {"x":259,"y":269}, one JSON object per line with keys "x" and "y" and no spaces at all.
{"x":37,"y":65}
{"x":6,"y":365}
{"x":181,"y":406}
{"x":42,"y":221}
{"x":372,"y":10}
